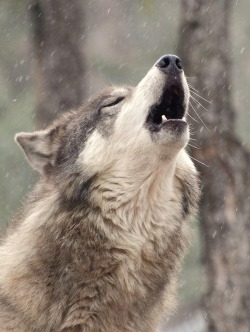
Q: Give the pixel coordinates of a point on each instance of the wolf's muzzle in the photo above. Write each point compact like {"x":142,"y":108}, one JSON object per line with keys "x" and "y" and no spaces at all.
{"x":169,"y":110}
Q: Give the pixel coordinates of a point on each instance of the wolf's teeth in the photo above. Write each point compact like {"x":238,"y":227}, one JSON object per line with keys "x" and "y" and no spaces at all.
{"x":163,"y":117}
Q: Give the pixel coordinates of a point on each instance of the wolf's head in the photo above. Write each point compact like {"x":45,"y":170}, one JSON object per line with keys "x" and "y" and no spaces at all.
{"x":124,"y":131}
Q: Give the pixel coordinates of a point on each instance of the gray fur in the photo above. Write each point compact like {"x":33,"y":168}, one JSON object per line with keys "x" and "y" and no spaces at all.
{"x":101,"y":239}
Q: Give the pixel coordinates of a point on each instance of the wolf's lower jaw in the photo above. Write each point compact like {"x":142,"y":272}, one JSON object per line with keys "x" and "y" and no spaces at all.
{"x":164,"y":119}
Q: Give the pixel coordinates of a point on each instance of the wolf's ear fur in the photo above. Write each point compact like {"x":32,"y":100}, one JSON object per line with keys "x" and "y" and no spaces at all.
{"x":39,"y":147}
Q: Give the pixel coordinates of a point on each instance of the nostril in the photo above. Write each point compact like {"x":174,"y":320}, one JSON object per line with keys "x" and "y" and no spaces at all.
{"x":164,"y":62}
{"x":178,"y":63}
{"x":170,"y":64}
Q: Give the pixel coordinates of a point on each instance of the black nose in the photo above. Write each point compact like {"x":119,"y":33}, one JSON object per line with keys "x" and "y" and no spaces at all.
{"x":170,"y":64}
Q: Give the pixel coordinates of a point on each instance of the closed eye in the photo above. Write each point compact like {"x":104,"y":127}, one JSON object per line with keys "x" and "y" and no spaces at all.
{"x":113,"y":102}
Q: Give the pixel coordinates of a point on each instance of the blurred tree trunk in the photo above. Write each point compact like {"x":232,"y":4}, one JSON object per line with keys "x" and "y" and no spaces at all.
{"x":57,"y":31}
{"x":225,"y":208}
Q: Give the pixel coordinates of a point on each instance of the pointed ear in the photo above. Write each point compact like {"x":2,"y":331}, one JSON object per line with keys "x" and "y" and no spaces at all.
{"x":39,"y":147}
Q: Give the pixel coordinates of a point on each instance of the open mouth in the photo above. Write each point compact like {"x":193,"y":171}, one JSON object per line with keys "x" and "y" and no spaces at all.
{"x":170,"y":108}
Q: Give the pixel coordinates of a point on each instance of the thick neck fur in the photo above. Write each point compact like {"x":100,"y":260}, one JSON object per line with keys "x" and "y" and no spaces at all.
{"x":131,"y":234}
{"x":134,"y":200}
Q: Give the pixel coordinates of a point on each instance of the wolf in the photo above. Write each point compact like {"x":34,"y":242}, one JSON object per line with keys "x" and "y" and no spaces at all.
{"x":100,"y":240}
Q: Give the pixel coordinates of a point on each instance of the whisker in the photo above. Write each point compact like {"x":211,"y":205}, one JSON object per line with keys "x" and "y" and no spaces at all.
{"x":195,"y":147}
{"x":192,"y":117}
{"x":194,"y":111}
{"x":201,"y":97}
{"x":198,"y":103}
{"x":192,"y":87}
{"x":199,"y":161}
{"x":199,"y":117}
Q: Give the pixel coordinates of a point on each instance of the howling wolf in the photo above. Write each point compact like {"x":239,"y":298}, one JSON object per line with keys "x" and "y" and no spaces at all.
{"x":100,"y":240}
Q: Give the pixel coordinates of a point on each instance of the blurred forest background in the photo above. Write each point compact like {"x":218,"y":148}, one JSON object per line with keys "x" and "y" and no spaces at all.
{"x":121,"y":40}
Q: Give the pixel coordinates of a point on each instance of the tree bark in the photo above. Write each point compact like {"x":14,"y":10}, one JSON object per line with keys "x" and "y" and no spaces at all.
{"x":57,"y":32}
{"x":225,"y":208}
